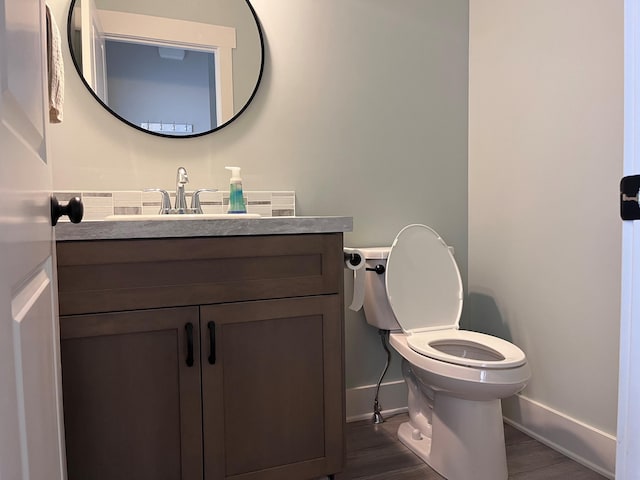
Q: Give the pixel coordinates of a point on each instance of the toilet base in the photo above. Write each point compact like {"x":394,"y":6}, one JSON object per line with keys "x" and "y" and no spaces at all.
{"x":415,"y":441}
{"x":467,"y":439}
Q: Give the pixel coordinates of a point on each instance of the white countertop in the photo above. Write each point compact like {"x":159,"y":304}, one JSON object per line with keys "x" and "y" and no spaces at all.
{"x":109,"y":230}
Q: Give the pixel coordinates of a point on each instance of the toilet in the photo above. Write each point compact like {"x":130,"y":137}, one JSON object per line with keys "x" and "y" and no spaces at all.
{"x":455,"y":378}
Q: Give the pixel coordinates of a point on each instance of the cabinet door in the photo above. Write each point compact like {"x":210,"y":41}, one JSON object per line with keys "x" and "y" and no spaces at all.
{"x":132,"y":402}
{"x":272,"y":389}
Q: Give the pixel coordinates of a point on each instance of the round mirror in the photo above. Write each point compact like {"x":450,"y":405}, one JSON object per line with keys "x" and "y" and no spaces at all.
{"x":176,"y":69}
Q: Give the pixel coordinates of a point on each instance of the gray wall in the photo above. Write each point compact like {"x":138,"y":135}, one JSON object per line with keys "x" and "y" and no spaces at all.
{"x":362,"y":111}
{"x":545,"y":159}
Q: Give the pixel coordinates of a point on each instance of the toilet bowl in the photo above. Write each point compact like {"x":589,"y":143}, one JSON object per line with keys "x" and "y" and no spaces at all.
{"x":455,"y":378}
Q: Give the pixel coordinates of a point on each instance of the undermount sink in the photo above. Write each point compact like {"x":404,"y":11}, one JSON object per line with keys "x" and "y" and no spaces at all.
{"x":186,"y":216}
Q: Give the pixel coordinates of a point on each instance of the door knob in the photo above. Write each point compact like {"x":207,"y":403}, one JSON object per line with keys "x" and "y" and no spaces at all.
{"x":629,"y":190}
{"x":73,"y":209}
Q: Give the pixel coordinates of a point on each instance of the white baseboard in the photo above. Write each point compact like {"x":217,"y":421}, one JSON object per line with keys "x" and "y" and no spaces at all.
{"x":581,"y":442}
{"x":392,"y":399}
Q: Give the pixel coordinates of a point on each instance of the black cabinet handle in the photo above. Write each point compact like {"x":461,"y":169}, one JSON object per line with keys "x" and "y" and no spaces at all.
{"x":212,"y":342}
{"x":189,"y":328}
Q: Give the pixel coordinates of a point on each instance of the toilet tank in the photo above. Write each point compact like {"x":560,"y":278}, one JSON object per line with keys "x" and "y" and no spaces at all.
{"x":377,"y":309}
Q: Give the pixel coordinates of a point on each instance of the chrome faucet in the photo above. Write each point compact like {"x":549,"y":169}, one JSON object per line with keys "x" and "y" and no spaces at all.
{"x":181,"y":200}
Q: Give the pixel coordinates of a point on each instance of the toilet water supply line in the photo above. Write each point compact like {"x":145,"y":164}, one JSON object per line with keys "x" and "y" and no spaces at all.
{"x":354,"y":260}
{"x":377,"y":416}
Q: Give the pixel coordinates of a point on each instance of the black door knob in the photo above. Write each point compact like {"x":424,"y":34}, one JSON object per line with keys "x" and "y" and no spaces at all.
{"x":73,"y":209}
{"x":629,"y":191}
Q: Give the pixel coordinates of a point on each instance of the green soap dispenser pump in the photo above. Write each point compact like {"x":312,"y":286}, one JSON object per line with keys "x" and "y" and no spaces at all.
{"x":236,"y":197}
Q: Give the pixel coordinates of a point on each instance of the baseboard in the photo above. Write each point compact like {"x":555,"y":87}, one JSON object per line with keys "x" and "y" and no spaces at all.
{"x":581,"y":442}
{"x":392,"y":400}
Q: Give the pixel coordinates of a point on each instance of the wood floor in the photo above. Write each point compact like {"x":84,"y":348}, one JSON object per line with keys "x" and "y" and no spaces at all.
{"x":375,"y":453}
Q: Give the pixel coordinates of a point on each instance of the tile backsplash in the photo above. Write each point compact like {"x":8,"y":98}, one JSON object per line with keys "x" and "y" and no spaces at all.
{"x":100,"y":204}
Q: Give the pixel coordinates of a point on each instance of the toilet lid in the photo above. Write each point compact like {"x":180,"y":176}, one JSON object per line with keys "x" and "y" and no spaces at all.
{"x":423,"y":281}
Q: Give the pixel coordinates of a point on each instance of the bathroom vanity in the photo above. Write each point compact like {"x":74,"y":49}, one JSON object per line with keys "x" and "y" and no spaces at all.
{"x":209,"y":351}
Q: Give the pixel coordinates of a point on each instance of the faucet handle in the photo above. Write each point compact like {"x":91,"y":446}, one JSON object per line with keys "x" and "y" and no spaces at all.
{"x":165,"y":206}
{"x":195,"y":199}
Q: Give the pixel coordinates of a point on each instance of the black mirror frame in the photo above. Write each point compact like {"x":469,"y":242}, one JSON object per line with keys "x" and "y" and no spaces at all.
{"x":158,"y":134}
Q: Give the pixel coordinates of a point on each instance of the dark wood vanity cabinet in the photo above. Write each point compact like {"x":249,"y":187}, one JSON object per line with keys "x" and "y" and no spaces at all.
{"x":132,"y":406}
{"x":203,"y":358}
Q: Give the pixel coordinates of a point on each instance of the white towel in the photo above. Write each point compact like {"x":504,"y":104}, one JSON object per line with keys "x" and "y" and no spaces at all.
{"x":55,"y":67}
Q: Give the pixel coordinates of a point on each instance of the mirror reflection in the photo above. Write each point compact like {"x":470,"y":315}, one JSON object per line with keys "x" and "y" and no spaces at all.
{"x":168,"y":68}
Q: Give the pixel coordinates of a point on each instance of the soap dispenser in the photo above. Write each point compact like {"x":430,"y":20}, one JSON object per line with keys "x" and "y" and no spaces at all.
{"x":236,"y":196}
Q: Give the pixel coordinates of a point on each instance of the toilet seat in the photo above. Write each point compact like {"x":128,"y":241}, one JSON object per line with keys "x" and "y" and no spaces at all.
{"x":467,"y":348}
{"x":424,"y":289}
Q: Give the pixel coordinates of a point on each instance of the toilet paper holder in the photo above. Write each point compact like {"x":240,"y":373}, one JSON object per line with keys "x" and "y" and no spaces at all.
{"x":354,"y":259}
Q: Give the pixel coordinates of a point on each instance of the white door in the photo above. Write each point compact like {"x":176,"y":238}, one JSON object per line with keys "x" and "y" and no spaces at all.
{"x":31,"y":445}
{"x":628,"y":434}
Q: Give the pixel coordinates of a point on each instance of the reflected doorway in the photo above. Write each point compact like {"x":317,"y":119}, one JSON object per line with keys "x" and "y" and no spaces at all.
{"x":137,"y":75}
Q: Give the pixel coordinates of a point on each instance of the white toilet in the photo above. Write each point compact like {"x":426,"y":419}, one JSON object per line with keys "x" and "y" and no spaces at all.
{"x":455,"y":378}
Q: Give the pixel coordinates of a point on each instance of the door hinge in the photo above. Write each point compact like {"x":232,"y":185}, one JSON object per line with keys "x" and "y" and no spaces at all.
{"x":629,"y":190}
